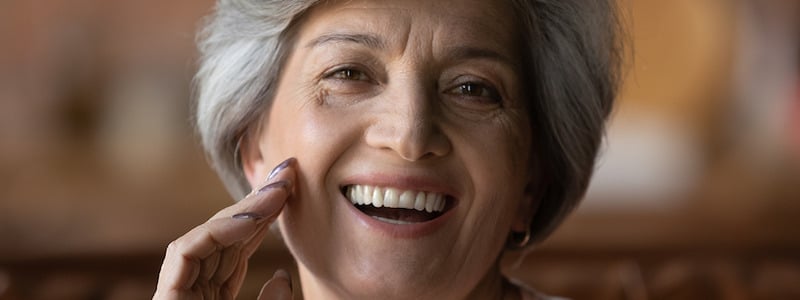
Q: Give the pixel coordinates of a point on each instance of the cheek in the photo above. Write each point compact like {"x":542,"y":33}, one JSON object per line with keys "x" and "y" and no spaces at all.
{"x":321,"y":138}
{"x":497,"y":153}
{"x":316,"y":135}
{"x":497,"y":156}
{"x":499,"y":185}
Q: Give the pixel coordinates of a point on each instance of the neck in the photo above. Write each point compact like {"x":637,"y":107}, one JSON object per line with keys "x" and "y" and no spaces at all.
{"x":492,"y":286}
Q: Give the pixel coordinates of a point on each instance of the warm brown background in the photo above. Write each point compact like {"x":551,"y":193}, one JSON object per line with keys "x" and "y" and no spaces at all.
{"x":697,"y":196}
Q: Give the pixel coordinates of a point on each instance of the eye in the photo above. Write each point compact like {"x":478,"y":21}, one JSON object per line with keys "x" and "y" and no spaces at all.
{"x":348,"y":74}
{"x":478,"y":91}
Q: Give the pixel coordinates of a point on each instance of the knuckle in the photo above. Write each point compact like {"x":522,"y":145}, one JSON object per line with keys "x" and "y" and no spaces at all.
{"x":172,"y":247}
{"x":179,"y":246}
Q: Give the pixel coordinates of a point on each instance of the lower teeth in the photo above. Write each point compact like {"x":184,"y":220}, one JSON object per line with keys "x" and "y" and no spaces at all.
{"x":392,"y":221}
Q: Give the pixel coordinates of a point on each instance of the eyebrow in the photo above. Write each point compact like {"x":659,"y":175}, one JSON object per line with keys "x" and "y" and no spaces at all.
{"x":372,"y":41}
{"x":368,"y":40}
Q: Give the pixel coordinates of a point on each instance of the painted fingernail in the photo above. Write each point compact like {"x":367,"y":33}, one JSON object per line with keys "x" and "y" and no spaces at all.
{"x":247,"y":216}
{"x":274,"y":185}
{"x":280,"y":167}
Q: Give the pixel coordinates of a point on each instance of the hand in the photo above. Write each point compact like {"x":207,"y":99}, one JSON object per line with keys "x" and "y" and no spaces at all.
{"x":210,"y":261}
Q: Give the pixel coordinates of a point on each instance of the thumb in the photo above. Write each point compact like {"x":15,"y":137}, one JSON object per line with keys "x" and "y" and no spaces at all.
{"x":277,"y":288}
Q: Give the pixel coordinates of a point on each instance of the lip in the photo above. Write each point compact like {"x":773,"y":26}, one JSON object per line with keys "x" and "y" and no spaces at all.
{"x":403,"y":231}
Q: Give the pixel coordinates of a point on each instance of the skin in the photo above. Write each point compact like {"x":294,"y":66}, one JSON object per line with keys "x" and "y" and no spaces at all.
{"x":210,"y":261}
{"x":412,"y":92}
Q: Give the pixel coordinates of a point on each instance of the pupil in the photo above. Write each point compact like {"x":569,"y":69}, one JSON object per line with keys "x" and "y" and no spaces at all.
{"x":468,"y":89}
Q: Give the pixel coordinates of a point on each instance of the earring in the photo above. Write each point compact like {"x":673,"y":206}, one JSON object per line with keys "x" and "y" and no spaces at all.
{"x":519,"y":243}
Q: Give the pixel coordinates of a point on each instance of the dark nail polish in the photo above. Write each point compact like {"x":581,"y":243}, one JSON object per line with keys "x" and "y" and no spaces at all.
{"x":280,"y":168}
{"x":248,"y":216}
{"x":274,"y":185}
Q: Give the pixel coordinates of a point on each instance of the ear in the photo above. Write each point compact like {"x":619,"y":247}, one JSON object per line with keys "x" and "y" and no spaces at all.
{"x":527,"y":207}
{"x":252,"y":157}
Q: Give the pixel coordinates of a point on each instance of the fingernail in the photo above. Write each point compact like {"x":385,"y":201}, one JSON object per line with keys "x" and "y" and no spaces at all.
{"x":248,"y":216}
{"x":281,"y":273}
{"x":280,"y":168}
{"x":274,"y":185}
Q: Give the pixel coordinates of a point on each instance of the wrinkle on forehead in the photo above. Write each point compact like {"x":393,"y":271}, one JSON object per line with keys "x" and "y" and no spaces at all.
{"x":488,"y":24}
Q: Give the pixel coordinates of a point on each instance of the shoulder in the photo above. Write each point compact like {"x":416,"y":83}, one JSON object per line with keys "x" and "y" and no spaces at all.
{"x":529,"y":293}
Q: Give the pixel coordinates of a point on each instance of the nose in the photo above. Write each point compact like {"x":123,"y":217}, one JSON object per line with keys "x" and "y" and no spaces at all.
{"x":409,"y":124}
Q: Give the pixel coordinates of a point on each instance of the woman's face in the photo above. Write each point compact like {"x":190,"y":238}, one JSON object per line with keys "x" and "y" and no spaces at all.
{"x":408,"y":105}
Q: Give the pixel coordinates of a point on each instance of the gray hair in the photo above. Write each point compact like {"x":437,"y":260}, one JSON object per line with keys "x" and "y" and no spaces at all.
{"x":242,"y":49}
{"x":573,"y":54}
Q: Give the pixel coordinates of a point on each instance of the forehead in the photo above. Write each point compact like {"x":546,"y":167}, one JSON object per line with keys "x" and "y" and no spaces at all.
{"x":446,"y":22}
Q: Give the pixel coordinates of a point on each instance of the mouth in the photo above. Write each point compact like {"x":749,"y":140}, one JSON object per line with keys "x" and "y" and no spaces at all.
{"x":397,"y":206}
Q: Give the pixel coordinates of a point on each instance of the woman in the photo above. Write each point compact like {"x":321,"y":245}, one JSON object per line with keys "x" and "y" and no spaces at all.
{"x":426,"y":137}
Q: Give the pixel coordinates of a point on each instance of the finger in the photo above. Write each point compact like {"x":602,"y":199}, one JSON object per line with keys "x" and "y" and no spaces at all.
{"x":234,"y":283}
{"x":278,"y":183}
{"x":277,"y":288}
{"x":206,"y":251}
{"x":250,"y":246}
{"x":239,"y":221}
{"x":216,"y":235}
{"x":176,"y":273}
{"x":185,"y":256}
{"x":233,"y":265}
{"x":268,"y":199}
{"x":235,"y":276}
{"x":209,"y":266}
{"x":229,"y":262}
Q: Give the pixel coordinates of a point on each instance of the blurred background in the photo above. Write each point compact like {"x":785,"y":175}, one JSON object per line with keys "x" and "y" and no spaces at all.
{"x":697,"y":194}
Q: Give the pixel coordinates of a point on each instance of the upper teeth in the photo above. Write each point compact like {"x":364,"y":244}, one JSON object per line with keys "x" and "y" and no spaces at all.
{"x":395,"y":198}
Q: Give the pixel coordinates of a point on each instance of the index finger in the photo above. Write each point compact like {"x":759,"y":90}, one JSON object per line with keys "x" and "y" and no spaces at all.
{"x":236,"y":223}
{"x":267,"y":200}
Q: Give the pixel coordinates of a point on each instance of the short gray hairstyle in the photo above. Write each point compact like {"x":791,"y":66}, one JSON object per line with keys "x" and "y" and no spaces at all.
{"x":572,"y":55}
{"x":242,"y":49}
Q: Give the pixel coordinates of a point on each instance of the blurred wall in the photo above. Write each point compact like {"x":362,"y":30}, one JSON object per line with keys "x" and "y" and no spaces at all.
{"x":96,"y":148}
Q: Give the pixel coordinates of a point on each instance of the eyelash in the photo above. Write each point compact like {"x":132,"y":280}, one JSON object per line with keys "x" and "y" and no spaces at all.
{"x":468,"y":89}
{"x":347,"y":73}
{"x":486,"y":92}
